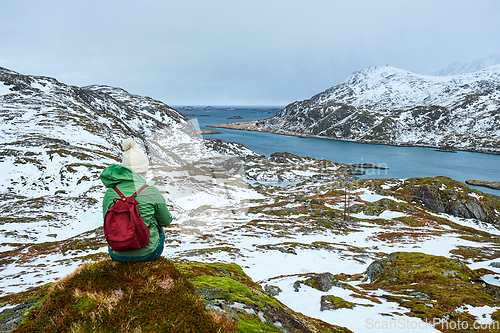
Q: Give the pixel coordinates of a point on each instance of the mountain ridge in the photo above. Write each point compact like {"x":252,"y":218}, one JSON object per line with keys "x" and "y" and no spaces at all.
{"x":388,"y":105}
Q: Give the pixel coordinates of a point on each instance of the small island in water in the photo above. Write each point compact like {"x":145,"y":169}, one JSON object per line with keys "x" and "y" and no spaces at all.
{"x":494,"y":185}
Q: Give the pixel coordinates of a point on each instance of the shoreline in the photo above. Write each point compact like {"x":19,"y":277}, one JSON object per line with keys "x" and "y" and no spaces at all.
{"x":253,"y":126}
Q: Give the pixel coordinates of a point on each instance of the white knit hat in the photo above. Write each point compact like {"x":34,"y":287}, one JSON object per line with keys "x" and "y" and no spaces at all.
{"x":133,"y":157}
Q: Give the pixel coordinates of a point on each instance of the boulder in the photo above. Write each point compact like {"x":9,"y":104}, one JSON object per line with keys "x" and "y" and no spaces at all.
{"x":321,"y":282}
{"x":273,"y":290}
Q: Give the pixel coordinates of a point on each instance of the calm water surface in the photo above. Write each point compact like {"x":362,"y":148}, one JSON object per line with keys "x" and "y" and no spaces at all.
{"x":403,"y":162}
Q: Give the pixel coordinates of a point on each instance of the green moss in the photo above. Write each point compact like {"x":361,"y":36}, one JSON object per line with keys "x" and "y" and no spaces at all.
{"x":410,"y":221}
{"x":233,"y":287}
{"x":269,"y":300}
{"x":335,"y":303}
{"x":250,"y":324}
{"x":85,"y":304}
{"x":6,"y":316}
{"x":194,"y":269}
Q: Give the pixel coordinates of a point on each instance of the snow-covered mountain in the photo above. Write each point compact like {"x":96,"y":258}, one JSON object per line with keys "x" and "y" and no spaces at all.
{"x":457,"y":68}
{"x":56,"y":139}
{"x":392,"y":106}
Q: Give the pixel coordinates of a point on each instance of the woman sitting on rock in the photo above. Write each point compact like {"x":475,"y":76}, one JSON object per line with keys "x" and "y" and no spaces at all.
{"x":122,"y":182}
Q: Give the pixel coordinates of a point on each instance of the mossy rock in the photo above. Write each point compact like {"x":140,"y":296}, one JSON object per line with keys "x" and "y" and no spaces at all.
{"x":322,"y":282}
{"x":227,"y":290}
{"x":108,"y":296}
{"x":159,"y":296}
{"x":431,"y":286}
{"x":378,"y":207}
{"x":11,"y":317}
{"x":331,"y":302}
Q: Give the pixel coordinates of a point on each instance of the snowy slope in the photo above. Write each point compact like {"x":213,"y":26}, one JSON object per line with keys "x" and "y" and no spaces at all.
{"x":393,"y":106}
{"x":55,"y":139}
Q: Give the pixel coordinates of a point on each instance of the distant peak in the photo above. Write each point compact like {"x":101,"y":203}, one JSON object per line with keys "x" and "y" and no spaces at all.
{"x":374,"y":71}
{"x":458,"y":68}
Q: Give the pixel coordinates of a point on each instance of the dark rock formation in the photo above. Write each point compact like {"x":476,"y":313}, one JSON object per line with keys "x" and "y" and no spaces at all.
{"x":321,"y":282}
{"x":376,"y":268}
{"x":432,"y":199}
{"x":445,"y":195}
{"x":11,"y":317}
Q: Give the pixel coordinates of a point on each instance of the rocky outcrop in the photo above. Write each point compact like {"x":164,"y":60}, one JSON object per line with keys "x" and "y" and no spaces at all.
{"x":329,"y":302}
{"x":10,"y":318}
{"x":431,"y":286}
{"x":152,"y":296}
{"x":377,"y":267}
{"x":440,"y":202}
{"x":445,"y":195}
{"x":321,"y":282}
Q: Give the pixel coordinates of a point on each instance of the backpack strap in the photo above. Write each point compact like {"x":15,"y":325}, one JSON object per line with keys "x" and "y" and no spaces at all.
{"x":156,"y":224}
{"x":119,"y":193}
{"x":139,"y":190}
{"x":133,"y":195}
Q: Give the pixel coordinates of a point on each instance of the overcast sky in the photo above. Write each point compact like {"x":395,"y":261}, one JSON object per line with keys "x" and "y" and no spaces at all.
{"x":235,"y":52}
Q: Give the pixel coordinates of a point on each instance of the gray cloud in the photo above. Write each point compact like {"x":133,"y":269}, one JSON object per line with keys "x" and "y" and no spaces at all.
{"x":235,"y":51}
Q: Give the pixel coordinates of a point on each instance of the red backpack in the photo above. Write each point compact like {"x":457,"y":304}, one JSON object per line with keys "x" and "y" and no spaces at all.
{"x":124,"y":228}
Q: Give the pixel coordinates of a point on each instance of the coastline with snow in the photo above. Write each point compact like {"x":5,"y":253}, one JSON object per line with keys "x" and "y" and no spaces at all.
{"x":260,"y":126}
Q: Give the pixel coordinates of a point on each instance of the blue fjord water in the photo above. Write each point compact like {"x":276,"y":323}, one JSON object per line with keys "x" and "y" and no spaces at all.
{"x":403,"y":162}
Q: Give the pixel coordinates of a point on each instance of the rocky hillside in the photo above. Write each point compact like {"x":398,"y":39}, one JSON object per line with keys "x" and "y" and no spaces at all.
{"x":388,"y":105}
{"x":55,"y":141}
{"x":317,"y":246}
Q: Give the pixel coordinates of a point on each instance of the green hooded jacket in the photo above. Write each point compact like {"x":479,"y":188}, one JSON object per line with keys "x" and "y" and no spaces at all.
{"x":151,"y":203}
